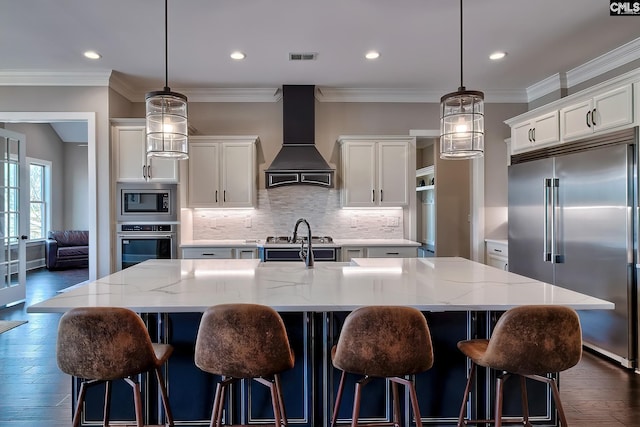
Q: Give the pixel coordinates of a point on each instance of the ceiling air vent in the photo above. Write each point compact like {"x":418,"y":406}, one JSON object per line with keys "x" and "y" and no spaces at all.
{"x":309,"y":56}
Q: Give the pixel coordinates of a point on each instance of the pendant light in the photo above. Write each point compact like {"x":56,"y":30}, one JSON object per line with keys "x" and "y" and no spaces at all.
{"x":462,"y":120}
{"x":166,"y":114}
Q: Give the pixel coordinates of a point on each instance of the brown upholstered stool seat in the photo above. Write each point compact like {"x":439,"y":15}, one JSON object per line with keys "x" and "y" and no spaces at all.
{"x":385,"y":342}
{"x":531,"y":342}
{"x":102,"y":344}
{"x":239,"y":341}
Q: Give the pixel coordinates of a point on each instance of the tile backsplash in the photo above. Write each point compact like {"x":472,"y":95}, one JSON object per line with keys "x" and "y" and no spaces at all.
{"x":279,"y":208}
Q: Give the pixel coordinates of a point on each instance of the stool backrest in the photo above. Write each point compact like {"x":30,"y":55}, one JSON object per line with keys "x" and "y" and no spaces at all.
{"x":103,"y":343}
{"x":384,"y":341}
{"x":242,"y":341}
{"x":535,"y":340}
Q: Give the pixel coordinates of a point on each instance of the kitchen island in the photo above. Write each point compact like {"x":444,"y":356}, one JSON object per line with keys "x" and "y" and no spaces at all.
{"x":461,"y":299}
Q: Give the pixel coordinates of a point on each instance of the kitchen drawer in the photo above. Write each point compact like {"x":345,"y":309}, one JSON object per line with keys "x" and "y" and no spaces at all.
{"x":211,"y":253}
{"x":497,"y":255}
{"x":497,"y":249}
{"x":392,"y":252}
{"x":246,"y":253}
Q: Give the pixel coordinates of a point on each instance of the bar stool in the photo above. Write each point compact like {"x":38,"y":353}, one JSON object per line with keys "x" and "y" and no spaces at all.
{"x":239,"y":341}
{"x":384,"y":342}
{"x":102,"y":344}
{"x":530,"y":342}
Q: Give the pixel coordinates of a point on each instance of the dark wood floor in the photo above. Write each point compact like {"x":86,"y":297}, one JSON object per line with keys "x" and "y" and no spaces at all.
{"x":33,"y":392}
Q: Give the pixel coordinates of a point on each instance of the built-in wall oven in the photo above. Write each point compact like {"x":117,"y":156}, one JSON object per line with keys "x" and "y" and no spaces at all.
{"x":140,"y":242}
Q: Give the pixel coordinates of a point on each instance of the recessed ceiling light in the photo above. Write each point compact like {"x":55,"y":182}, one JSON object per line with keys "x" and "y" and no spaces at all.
{"x":372,"y":54}
{"x":497,"y":55}
{"x":238,"y":55}
{"x":91,"y":54}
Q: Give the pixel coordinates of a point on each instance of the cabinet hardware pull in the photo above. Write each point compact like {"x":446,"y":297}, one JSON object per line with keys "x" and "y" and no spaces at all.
{"x":208,"y":254}
{"x":224,"y":196}
{"x":373,"y":195}
{"x":149,"y":171}
{"x":530,"y":140}
{"x":498,"y":250}
{"x":393,"y":253}
{"x":593,"y":117}
{"x":533,"y":132}
{"x":587,"y":118}
{"x":216,"y":196}
{"x":144,"y":172}
{"x":381,"y":198}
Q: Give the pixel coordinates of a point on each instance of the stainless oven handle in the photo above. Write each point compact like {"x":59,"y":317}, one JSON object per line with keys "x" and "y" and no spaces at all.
{"x":142,"y":234}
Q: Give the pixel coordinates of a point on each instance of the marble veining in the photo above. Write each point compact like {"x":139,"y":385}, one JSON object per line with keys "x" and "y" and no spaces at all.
{"x":429,"y":284}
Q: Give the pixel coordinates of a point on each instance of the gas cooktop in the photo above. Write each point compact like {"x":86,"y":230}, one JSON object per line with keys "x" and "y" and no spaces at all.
{"x":300,"y":239}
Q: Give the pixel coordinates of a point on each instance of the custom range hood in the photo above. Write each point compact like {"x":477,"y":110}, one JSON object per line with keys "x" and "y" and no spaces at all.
{"x":299,"y":161}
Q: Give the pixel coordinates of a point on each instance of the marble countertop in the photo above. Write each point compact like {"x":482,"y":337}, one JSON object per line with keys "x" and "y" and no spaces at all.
{"x":499,"y":241}
{"x":429,"y":284}
{"x":254,"y":243}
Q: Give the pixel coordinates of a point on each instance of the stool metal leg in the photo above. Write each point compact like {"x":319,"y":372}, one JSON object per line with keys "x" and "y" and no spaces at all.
{"x":137,"y":400}
{"x":498,"y":408}
{"x":165,"y":399}
{"x":465,"y":398}
{"x":336,"y":406}
{"x":78,"y":411}
{"x":281,"y":400}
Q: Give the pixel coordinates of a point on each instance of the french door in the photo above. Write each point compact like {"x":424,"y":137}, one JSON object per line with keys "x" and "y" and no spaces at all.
{"x":14,"y":203}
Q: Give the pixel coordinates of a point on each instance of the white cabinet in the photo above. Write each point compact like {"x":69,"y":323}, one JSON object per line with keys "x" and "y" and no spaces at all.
{"x":375,"y":171}
{"x":219,"y":253}
{"x":349,"y":252}
{"x":222,"y":172}
{"x":132,"y":164}
{"x":535,"y":133}
{"x":392,"y":252}
{"x":497,"y":254}
{"x":604,"y":111}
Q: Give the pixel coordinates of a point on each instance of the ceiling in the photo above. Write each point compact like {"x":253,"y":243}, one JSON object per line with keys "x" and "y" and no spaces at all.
{"x":418,"y":41}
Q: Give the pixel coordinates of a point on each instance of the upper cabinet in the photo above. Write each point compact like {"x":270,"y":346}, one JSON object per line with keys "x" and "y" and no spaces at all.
{"x":375,"y":171}
{"x":536,"y":132}
{"x":132,"y":164}
{"x":603,"y":111}
{"x":222,"y":171}
{"x":604,"y":107}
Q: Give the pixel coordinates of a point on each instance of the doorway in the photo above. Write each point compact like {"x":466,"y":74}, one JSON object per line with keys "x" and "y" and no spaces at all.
{"x":90,"y":120}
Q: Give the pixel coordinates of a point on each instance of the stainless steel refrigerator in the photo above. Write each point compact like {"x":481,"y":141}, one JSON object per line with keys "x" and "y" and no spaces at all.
{"x":573,"y":222}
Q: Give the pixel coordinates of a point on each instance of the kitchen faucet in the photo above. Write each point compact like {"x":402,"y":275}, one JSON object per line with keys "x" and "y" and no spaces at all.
{"x":306,"y":256}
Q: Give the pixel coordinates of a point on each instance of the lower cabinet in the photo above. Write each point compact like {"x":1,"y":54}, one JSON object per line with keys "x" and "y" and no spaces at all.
{"x":219,"y":253}
{"x":349,"y":252}
{"x":497,"y":254}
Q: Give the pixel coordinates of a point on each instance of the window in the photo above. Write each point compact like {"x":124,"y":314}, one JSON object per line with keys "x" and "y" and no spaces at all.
{"x":39,"y":203}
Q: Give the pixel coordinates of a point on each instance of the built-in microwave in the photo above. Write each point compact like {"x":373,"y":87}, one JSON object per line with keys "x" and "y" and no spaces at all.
{"x":146,"y":202}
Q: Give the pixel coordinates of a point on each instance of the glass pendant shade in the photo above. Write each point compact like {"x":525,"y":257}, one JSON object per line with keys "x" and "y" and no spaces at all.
{"x":462,"y":125}
{"x":167,"y":134}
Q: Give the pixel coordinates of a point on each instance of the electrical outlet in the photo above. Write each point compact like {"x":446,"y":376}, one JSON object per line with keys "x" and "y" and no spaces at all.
{"x":393,"y":221}
{"x":247,"y":222}
{"x":354,"y":222}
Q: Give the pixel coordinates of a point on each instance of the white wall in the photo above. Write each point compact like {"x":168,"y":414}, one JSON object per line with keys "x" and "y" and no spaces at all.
{"x":76,"y":185}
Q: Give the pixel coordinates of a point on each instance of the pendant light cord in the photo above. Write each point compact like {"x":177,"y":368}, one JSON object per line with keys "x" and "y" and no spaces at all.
{"x":166,"y":47}
{"x":461,"y":84}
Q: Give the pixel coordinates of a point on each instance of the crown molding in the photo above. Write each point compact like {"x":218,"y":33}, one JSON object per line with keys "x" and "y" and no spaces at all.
{"x":54,"y":78}
{"x":543,"y":87}
{"x":233,"y":94}
{"x":613,"y":59}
